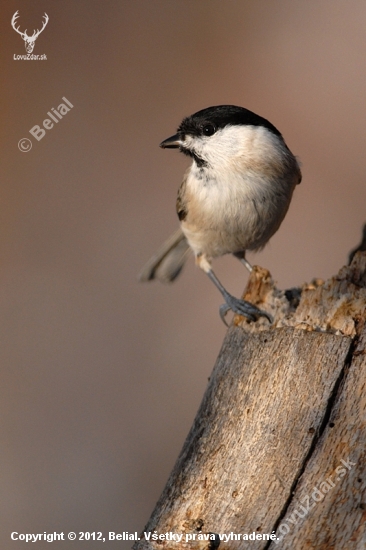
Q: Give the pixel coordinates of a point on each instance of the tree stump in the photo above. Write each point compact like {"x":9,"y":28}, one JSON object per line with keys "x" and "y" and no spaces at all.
{"x":278,"y":446}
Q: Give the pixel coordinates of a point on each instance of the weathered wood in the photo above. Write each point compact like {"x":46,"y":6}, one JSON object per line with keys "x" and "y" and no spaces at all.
{"x":335,"y":517}
{"x":284,"y":406}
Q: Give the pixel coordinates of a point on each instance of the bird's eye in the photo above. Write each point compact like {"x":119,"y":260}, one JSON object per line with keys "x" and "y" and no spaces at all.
{"x":208,"y":129}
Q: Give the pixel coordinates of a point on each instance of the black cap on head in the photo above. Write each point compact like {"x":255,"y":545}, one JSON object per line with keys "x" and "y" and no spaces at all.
{"x":207,"y":121}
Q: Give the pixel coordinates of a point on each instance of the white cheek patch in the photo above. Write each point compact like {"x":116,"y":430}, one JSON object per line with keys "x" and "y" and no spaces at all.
{"x":229,"y":144}
{"x":230,"y":140}
{"x":225,"y":142}
{"x":238,"y":148}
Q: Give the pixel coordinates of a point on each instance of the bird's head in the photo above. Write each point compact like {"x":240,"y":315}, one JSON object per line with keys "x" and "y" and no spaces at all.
{"x":220,"y":135}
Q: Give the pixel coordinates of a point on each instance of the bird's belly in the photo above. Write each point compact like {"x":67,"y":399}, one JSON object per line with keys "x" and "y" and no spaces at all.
{"x":212,"y":243}
{"x":233,"y":223}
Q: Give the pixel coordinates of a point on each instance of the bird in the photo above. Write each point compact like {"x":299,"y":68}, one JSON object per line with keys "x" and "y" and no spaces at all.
{"x":233,"y":197}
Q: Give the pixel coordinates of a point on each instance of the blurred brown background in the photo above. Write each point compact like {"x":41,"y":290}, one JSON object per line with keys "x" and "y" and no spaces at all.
{"x":100,"y":376}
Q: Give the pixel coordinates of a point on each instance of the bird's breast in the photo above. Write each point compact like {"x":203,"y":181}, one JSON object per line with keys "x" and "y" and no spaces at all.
{"x":232,"y":212}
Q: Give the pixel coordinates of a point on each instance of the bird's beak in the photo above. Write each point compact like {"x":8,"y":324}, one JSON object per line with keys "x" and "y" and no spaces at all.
{"x":172,"y":143}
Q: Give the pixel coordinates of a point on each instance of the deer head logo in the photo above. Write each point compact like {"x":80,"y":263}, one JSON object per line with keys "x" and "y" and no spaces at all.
{"x":28,"y":40}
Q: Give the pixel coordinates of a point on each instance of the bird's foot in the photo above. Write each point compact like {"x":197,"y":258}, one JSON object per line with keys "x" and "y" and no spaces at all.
{"x":242,"y":307}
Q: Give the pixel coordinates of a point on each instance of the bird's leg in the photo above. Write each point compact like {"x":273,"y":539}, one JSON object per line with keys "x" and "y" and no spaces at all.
{"x":241,"y":307}
{"x":241,"y":257}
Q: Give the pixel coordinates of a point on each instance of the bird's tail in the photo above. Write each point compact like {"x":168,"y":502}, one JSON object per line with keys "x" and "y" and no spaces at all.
{"x":168,"y":261}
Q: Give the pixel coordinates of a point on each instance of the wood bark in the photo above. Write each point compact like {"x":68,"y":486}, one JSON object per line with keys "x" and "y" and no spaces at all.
{"x":278,"y":445}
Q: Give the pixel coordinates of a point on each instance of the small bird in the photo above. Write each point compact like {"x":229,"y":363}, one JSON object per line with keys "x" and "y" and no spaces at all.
{"x":233,"y":197}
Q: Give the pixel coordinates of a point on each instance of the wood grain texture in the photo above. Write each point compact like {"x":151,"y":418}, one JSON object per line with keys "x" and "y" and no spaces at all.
{"x":335,"y":517}
{"x":284,"y":406}
{"x":265,"y":402}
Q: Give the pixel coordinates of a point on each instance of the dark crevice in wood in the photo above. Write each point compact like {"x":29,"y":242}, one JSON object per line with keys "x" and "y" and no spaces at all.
{"x":360,"y":248}
{"x":333,"y":399}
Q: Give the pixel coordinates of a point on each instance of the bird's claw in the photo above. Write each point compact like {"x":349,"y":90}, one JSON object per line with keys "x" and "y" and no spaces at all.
{"x":223,"y":311}
{"x":242,"y":307}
